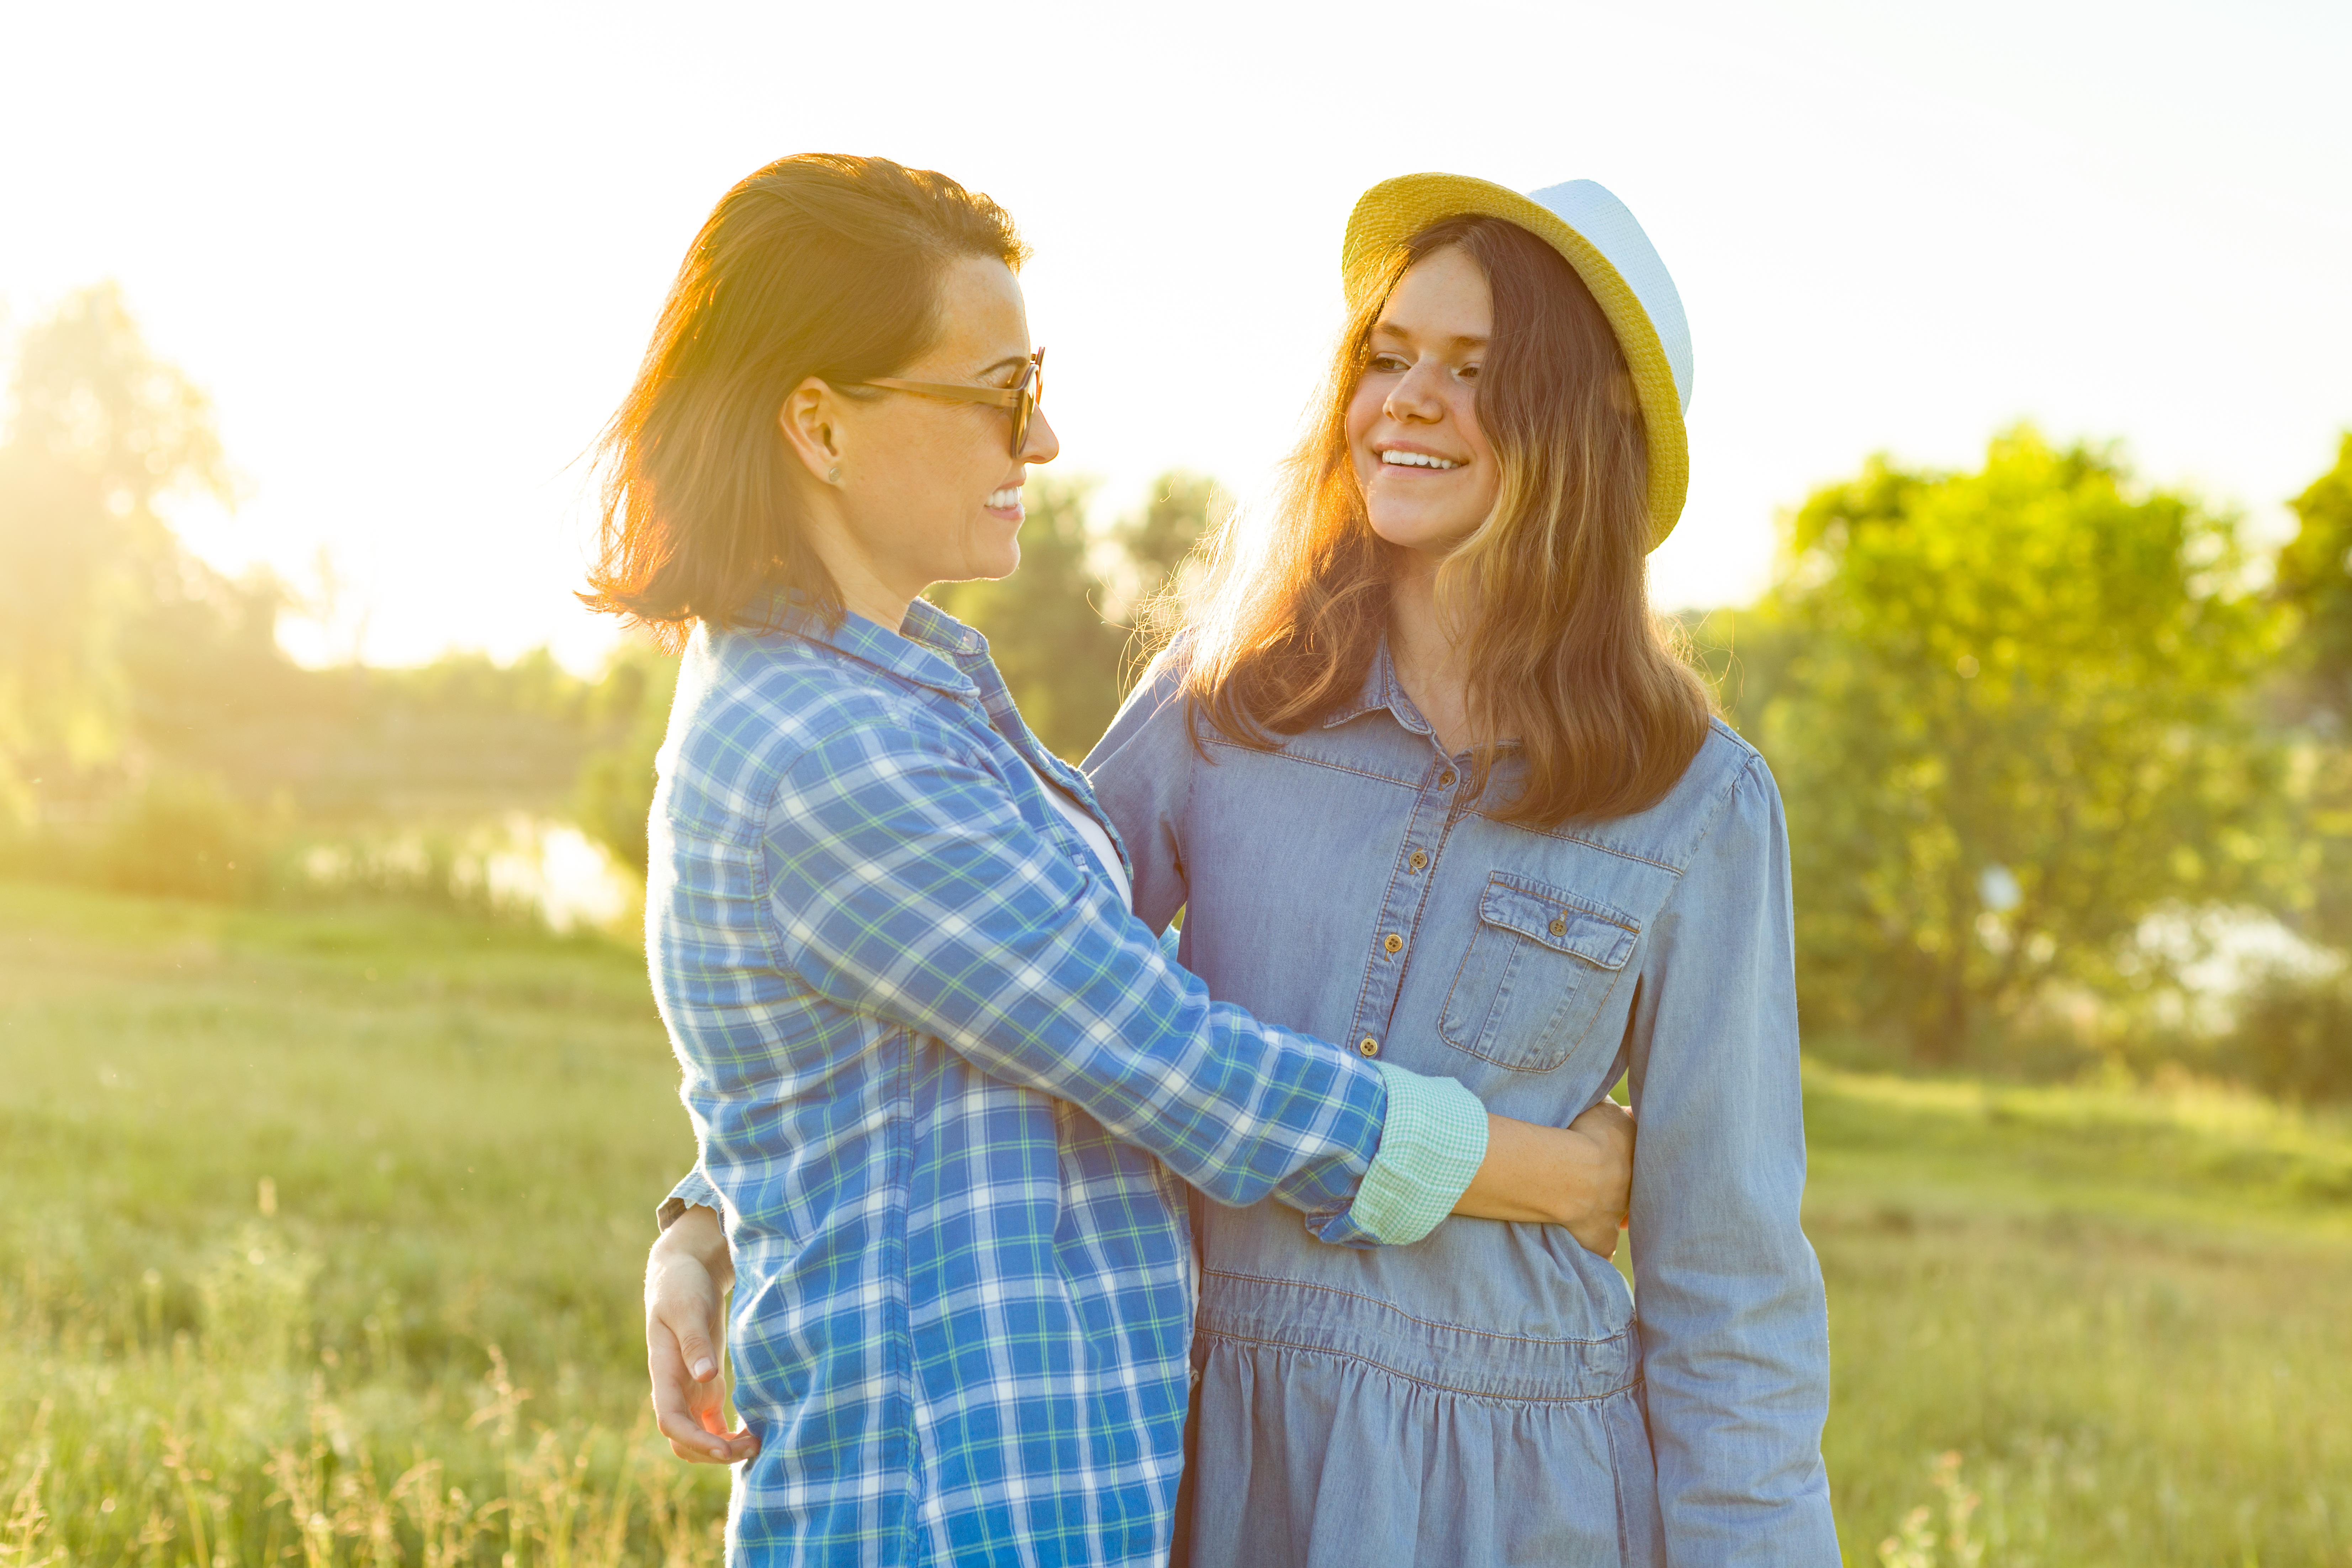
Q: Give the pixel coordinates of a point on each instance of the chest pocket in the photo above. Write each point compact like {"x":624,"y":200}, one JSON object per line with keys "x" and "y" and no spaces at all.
{"x":1540,"y":964}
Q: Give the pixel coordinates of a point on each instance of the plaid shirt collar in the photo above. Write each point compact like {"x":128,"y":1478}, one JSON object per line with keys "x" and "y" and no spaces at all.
{"x":931,"y":648}
{"x":934,"y":650}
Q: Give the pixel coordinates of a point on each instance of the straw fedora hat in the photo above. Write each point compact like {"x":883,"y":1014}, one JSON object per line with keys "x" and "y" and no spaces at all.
{"x":1599,"y":238}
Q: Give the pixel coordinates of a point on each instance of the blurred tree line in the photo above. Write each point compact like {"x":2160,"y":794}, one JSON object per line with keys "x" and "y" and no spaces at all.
{"x":2051,"y":739}
{"x":152,"y":733}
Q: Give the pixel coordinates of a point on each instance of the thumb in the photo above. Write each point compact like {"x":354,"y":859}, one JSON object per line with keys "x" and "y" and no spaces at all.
{"x":694,"y":1348}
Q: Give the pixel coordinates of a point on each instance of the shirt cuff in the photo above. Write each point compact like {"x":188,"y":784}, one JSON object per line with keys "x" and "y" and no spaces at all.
{"x":1432,"y":1144}
{"x":695,"y":1192}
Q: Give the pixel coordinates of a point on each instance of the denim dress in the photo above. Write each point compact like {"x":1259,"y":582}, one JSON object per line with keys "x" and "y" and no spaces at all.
{"x":1490,"y":1395}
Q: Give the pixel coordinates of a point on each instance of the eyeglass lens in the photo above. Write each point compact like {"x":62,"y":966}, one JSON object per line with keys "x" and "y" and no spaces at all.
{"x":1032,"y":388}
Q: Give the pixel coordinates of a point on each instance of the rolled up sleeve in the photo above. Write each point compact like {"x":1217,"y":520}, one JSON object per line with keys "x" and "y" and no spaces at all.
{"x":1734,"y":1324}
{"x":694,"y":1191}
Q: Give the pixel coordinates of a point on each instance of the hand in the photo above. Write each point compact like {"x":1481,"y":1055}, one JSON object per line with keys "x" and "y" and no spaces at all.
{"x":1597,"y":1212}
{"x":1580,"y":1176}
{"x":686,"y":1276}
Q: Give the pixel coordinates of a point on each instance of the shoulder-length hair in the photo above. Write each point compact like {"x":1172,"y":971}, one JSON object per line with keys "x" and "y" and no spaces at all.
{"x":819,"y":265}
{"x":1569,"y":671}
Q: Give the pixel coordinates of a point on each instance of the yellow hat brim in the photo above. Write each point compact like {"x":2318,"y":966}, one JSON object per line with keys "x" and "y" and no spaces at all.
{"x":1393,"y":211}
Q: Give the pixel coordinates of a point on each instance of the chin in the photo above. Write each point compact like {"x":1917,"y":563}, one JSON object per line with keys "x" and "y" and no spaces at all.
{"x":990,"y":551}
{"x":994,"y":564}
{"x":1430,"y":535}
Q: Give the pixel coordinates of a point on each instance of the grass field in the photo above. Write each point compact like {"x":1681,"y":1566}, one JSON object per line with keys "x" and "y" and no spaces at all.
{"x":319,"y":1237}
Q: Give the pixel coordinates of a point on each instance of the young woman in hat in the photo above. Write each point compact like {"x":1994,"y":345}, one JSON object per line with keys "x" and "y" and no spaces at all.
{"x":1428,"y":780}
{"x":943,"y":1080}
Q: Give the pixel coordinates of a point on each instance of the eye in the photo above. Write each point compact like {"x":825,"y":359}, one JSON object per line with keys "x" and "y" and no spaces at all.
{"x":1387,"y":364}
{"x":1468,"y":372}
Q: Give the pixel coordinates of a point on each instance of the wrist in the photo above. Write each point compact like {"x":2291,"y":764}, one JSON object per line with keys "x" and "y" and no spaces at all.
{"x":697,"y":1237}
{"x":1581,"y":1172}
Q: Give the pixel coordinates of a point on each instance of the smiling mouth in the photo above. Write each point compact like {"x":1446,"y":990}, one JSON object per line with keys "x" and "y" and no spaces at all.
{"x":1006,"y":500}
{"x":1402,"y":460}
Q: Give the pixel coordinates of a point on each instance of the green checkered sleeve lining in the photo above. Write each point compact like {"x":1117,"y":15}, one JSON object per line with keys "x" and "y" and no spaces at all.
{"x":1431,"y":1145}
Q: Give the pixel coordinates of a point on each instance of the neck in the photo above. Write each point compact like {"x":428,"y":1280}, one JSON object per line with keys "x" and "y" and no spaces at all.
{"x":861,"y":581}
{"x":1429,"y":660}
{"x":885,"y":607}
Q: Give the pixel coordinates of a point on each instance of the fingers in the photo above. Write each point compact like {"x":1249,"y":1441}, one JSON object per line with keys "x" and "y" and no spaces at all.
{"x":1610,"y":1128}
{"x":691,"y":1414}
{"x":682,"y":1366}
{"x":1601,"y":1241}
{"x":673,"y":1397}
{"x":1608,"y":1119}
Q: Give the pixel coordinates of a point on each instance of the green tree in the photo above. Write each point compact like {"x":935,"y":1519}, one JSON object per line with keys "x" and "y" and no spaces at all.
{"x":2313,"y":581}
{"x":1158,"y":546}
{"x":1061,"y":628}
{"x":101,"y":431}
{"x":616,"y":785}
{"x":2012,"y":722}
{"x":2314,"y":578}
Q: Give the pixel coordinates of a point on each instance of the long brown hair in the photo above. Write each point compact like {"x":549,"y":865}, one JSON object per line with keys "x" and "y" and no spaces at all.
{"x":819,"y":265}
{"x":1568,"y":668}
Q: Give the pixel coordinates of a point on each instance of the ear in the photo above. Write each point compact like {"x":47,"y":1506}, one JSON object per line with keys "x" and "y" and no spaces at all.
{"x":810,"y":420}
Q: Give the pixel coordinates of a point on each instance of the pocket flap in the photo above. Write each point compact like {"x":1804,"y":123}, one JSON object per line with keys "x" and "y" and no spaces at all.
{"x":1560,"y":920}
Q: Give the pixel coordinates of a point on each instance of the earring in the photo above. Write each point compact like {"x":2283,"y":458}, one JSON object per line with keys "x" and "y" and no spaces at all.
{"x":833,"y":475}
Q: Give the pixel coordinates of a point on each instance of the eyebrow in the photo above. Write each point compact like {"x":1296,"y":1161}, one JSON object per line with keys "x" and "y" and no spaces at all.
{"x":1459,"y":341}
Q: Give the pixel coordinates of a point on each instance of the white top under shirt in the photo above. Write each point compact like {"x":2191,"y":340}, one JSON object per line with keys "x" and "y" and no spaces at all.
{"x":1095,"y":838}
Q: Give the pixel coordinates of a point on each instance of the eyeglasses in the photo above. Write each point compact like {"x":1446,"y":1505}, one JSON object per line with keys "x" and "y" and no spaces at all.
{"x":1022,"y":398}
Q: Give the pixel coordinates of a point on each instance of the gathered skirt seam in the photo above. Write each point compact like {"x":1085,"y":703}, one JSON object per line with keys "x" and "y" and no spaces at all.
{"x":1408,"y":1317}
{"x":1486,"y":1395}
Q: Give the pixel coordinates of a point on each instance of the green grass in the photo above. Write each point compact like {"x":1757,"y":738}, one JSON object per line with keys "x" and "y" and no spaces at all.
{"x":462,"y":1128}
{"x":2121,"y":1309}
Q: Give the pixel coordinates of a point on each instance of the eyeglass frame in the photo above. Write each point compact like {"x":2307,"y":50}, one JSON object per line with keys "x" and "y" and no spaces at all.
{"x":1021,"y":398}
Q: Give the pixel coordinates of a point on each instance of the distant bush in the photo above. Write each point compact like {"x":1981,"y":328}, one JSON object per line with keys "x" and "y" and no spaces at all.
{"x":615,"y":791}
{"x":184,"y":833}
{"x":2294,"y":1038}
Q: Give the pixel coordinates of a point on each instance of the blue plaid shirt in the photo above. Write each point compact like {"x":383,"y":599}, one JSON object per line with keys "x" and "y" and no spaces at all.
{"x":931,"y":1056}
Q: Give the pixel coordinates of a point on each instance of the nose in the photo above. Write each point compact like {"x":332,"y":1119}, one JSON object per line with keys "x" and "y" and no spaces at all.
{"x":1041,"y":445}
{"x":1416,"y":398}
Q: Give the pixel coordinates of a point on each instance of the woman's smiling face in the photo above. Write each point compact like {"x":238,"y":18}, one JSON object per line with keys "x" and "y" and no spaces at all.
{"x":930,"y":490}
{"x":1428,"y":476}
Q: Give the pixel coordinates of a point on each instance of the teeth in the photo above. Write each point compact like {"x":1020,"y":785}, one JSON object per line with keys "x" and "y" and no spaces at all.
{"x":1006,"y":500}
{"x":1416,"y":460}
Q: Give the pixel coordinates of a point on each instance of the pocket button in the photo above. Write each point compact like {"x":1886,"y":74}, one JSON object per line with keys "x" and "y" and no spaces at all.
{"x":1559,"y":925}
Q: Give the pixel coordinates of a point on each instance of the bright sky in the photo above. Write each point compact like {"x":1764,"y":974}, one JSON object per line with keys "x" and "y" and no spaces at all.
{"x":413,"y":252}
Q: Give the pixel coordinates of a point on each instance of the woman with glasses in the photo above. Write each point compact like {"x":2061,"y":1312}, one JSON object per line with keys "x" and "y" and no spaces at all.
{"x":946,"y":1087}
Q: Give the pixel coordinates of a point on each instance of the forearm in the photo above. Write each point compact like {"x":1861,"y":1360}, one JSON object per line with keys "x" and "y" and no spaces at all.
{"x":1540,"y":1175}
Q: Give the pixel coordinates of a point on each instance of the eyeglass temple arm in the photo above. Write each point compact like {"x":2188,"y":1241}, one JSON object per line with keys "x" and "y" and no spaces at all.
{"x":995,"y":397}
